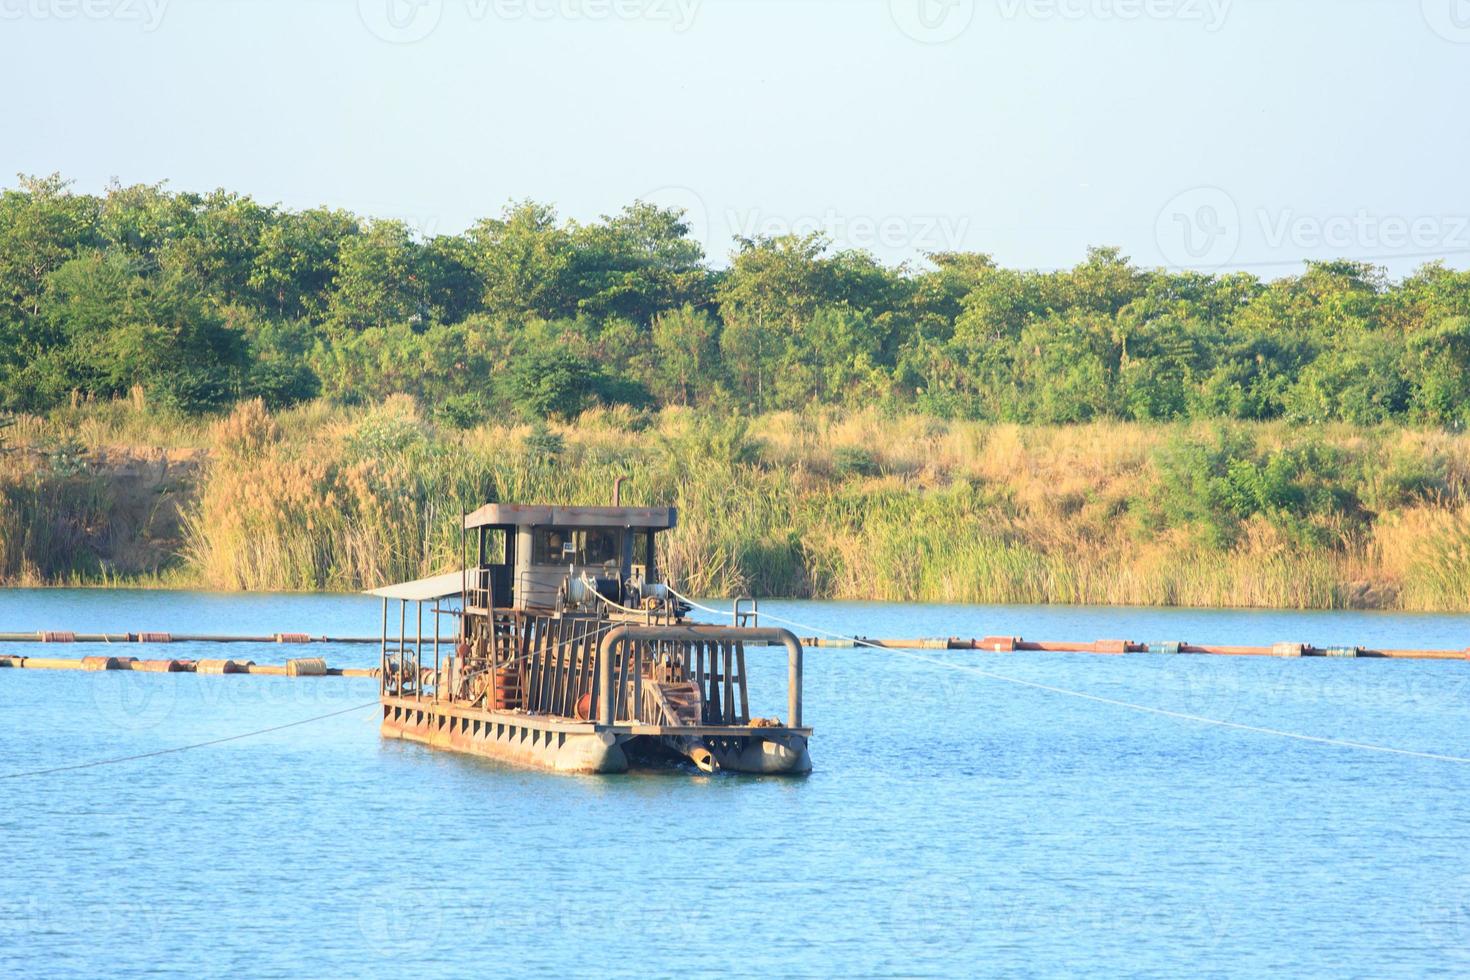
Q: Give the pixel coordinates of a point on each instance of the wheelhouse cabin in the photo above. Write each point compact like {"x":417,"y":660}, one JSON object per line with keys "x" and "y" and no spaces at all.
{"x":540,"y":557}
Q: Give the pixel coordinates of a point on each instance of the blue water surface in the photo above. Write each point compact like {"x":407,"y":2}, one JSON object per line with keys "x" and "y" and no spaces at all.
{"x":956,"y":824}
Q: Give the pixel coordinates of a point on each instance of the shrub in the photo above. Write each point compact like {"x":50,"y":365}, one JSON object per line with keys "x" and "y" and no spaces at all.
{"x":854,"y":461}
{"x":551,"y":383}
{"x":461,"y":411}
{"x":1217,"y":487}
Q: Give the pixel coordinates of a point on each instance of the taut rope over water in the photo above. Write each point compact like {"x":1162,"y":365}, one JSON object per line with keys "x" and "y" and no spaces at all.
{"x":186,"y":748}
{"x":1097,"y":698}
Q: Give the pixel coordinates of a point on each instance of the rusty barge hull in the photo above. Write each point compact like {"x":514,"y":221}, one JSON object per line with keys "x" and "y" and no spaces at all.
{"x":566,"y":653}
{"x":562,"y":745}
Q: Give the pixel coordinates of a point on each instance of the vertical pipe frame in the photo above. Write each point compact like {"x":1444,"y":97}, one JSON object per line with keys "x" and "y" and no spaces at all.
{"x":402,"y":639}
{"x":636,"y":678}
{"x":793,"y":681}
{"x":605,"y":653}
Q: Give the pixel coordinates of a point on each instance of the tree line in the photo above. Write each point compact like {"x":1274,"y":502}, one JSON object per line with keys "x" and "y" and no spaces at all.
{"x":207,"y":299}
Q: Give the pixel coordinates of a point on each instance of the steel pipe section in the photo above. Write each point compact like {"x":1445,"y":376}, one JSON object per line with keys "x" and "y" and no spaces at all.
{"x":698,"y":634}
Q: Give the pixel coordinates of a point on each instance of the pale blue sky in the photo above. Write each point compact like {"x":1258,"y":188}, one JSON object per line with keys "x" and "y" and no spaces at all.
{"x":1210,"y":133}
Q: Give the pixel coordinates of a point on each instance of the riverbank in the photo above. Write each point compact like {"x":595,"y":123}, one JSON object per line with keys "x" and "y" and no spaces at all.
{"x":820,"y":505}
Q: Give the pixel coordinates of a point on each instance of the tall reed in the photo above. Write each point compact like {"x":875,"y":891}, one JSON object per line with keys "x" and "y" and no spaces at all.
{"x":825,"y":504}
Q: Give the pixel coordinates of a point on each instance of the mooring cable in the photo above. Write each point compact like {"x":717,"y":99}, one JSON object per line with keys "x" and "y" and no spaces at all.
{"x":1097,"y":698}
{"x":186,"y":748}
{"x":235,"y":738}
{"x":817,"y":630}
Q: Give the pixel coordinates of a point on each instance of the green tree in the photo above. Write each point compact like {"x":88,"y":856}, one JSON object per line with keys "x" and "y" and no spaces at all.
{"x":379,"y":280}
{"x":636,"y":264}
{"x":1437,"y":364}
{"x":551,"y":383}
{"x":42,"y":225}
{"x":116,"y":329}
{"x":686,"y":352}
{"x":296,"y":262}
{"x":773,"y":287}
{"x":526,"y":263}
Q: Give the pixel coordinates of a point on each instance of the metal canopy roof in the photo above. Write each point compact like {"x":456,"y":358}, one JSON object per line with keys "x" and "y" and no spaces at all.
{"x":424,"y":590}
{"x":527,"y":515}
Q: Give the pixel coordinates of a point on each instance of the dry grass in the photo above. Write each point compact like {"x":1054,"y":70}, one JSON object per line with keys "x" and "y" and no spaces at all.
{"x":826,"y":504}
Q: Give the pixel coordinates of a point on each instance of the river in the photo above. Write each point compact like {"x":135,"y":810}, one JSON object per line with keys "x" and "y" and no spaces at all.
{"x":956,"y":822}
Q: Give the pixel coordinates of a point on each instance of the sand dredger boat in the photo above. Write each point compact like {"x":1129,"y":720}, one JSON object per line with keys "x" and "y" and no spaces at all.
{"x":567,"y":652}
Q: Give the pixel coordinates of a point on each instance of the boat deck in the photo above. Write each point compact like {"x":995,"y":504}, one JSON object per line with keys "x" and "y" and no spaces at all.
{"x":415,"y":712}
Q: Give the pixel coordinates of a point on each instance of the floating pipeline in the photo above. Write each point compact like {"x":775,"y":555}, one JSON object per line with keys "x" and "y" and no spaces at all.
{"x":1009,"y":644}
{"x":317,"y":667}
{"x":313,"y":667}
{"x":57,"y":636}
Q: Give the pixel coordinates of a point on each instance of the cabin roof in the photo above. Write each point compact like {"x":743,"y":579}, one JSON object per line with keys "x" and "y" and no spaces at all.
{"x":531,"y":515}
{"x":424,"y":590}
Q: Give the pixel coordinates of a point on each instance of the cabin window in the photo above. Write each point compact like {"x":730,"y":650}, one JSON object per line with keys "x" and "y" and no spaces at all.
{"x":643,"y":555}
{"x":494,"y":545}
{"x":563,"y":546}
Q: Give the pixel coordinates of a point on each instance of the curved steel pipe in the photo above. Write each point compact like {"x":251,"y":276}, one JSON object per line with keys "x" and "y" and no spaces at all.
{"x":698,"y":634}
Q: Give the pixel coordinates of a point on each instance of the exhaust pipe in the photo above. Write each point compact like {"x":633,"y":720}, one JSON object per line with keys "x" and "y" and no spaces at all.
{"x":618,"y":491}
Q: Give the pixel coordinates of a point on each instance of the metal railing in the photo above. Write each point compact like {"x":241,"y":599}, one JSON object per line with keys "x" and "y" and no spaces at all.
{"x":714,"y":658}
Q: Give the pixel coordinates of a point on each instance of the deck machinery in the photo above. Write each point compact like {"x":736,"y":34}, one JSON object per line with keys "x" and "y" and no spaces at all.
{"x":565,"y":651}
